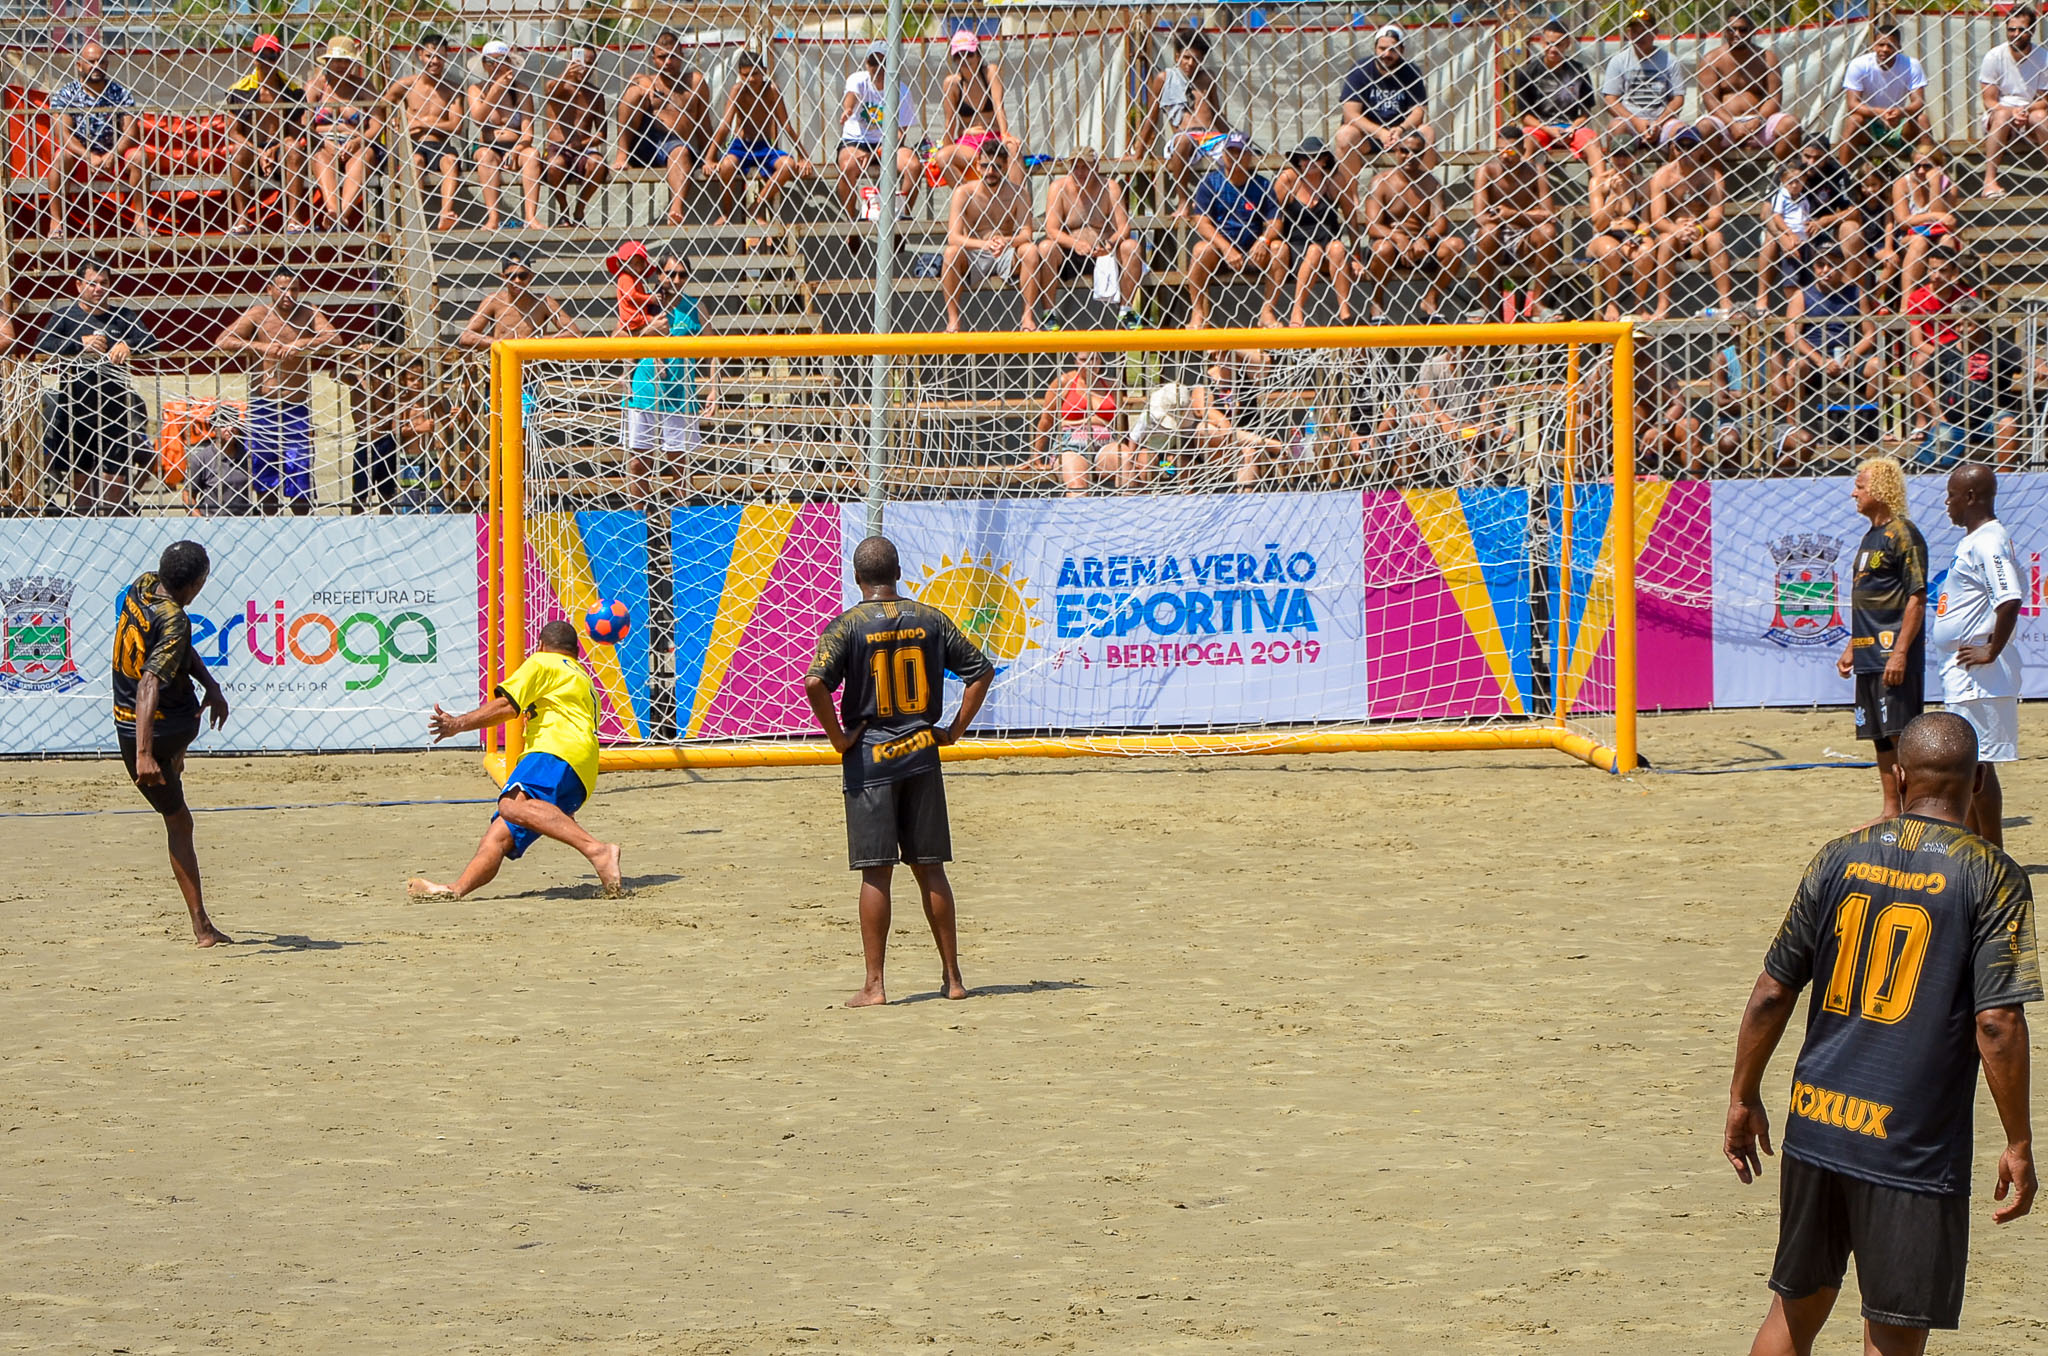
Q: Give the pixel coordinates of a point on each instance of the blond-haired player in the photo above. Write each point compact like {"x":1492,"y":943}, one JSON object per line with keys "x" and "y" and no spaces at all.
{"x":1887,"y":649}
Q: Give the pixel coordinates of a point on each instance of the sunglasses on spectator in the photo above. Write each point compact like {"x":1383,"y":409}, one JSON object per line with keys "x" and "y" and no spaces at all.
{"x":519,"y":274}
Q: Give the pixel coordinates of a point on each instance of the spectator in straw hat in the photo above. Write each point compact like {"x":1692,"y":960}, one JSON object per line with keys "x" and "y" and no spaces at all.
{"x":345,"y":128}
{"x":1383,"y":99}
{"x":501,"y":116}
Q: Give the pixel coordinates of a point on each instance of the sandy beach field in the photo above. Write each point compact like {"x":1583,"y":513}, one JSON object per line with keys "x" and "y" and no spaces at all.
{"x":1368,"y":1054}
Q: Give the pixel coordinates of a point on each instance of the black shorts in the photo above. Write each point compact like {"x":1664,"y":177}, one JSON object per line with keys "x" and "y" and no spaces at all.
{"x":1882,"y":711}
{"x":905,"y":820}
{"x":375,"y":476}
{"x":169,"y":798}
{"x":1911,"y":1247}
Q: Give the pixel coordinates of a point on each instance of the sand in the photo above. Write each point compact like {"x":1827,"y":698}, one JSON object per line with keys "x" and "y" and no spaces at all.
{"x":1401,"y":1054}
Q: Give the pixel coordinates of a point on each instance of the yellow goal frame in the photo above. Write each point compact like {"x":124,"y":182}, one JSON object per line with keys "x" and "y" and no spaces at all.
{"x":505,"y":618}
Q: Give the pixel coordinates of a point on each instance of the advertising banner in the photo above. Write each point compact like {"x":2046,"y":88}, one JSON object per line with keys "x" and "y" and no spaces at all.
{"x":1103,"y":614}
{"x":1784,"y":558}
{"x":324,"y":633}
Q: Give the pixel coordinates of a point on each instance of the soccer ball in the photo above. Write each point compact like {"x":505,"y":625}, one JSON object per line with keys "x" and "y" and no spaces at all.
{"x":608,"y":622}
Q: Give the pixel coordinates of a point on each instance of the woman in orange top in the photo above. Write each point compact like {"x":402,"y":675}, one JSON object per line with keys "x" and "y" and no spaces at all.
{"x":1077,"y":423}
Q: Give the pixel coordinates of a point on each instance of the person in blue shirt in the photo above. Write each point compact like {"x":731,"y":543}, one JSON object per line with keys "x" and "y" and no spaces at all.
{"x":667,"y":397}
{"x":1231,"y":209}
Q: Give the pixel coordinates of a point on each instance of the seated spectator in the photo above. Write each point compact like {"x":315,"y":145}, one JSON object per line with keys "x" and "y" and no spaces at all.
{"x":1667,"y":432}
{"x":217,"y":482}
{"x":1884,"y":99}
{"x":663,"y":114}
{"x":1877,"y":262}
{"x":861,"y":111}
{"x":1688,"y":197}
{"x":1923,"y":212}
{"x":1618,"y":204}
{"x":989,"y":235}
{"x":1382,"y":99}
{"x":94,"y":139}
{"x":1187,"y":426}
{"x":1514,"y":224}
{"x":1932,"y":332}
{"x":1463,"y":437}
{"x":1787,"y":238}
{"x":1740,"y":93}
{"x":573,"y":168}
{"x":1829,"y":336}
{"x":667,"y":397}
{"x":1644,"y":85}
{"x":1980,"y":384}
{"x":345,"y":128}
{"x":2015,"y":89}
{"x":284,"y":334}
{"x":501,"y":112}
{"x":1077,"y":427}
{"x":433,"y":106}
{"x":266,"y":141}
{"x":1311,"y":226}
{"x":1086,"y":222}
{"x":515,"y":310}
{"x":1408,"y":230}
{"x":1832,"y":195}
{"x":753,"y":129}
{"x":97,"y":435}
{"x":1184,"y":116}
{"x":1231,"y":211}
{"x":972,"y":97}
{"x":1554,"y":97}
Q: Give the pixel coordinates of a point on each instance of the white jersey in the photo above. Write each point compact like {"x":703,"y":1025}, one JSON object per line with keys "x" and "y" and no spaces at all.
{"x":1985,"y":573}
{"x":1884,"y":86}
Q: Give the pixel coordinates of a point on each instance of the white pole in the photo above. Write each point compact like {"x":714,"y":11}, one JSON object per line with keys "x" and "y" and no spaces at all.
{"x":885,"y":264}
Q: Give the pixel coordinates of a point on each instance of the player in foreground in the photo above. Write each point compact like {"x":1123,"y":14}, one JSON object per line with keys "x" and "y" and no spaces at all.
{"x":553,"y":778}
{"x":156,"y":713}
{"x":892,"y":655}
{"x":1887,"y":649}
{"x":1918,"y":937}
{"x":1973,"y":626}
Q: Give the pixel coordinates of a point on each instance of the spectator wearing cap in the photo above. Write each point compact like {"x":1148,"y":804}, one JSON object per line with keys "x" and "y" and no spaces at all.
{"x":1740,"y":95}
{"x":433,"y":104}
{"x":1383,"y":97}
{"x":501,"y":117}
{"x":1231,"y":210}
{"x":1644,"y":84}
{"x":1884,"y":98}
{"x":1408,"y":229}
{"x":1688,"y":199}
{"x":1087,"y":220}
{"x":1311,"y":226}
{"x":664,"y":114}
{"x":345,"y":128}
{"x":1554,"y":97}
{"x":861,"y":111}
{"x":2015,"y":91}
{"x":1184,"y":115}
{"x":574,"y":166}
{"x":753,"y":130}
{"x":1514,"y":222}
{"x":516,"y":310}
{"x":266,"y":141}
{"x":95,"y":139}
{"x":971,"y":97}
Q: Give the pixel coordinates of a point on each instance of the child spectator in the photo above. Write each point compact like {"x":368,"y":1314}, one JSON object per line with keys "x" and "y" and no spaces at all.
{"x":217,"y":478}
{"x":1788,"y":222}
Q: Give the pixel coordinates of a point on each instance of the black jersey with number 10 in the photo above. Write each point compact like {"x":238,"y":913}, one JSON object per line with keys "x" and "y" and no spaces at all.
{"x":892,"y":658}
{"x":1907,"y":930}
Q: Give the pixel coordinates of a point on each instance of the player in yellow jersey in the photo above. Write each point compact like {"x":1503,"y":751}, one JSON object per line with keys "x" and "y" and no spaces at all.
{"x":553,"y":779}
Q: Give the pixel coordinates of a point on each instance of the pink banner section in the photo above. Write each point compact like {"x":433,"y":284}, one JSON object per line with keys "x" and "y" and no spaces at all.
{"x":762,"y":688}
{"x":483,"y":608}
{"x":1422,"y":658}
{"x":1675,"y":605}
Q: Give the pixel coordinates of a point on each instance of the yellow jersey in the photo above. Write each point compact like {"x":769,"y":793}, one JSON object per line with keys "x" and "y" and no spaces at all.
{"x":560,"y":705}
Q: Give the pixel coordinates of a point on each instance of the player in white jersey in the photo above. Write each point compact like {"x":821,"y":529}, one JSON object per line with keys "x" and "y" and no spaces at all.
{"x":1972,"y":633}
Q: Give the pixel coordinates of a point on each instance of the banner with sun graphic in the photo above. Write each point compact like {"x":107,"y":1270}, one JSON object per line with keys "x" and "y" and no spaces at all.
{"x":1195,"y":610}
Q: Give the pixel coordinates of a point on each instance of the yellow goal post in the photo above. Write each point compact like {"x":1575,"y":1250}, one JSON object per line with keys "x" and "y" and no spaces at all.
{"x":778,"y":439}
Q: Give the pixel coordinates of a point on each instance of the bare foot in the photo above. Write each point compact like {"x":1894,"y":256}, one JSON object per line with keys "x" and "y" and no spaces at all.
{"x":1269,"y":319}
{"x":870,"y":996}
{"x":953,"y":988}
{"x":607,"y":865}
{"x":204,"y":933}
{"x":420,"y":889}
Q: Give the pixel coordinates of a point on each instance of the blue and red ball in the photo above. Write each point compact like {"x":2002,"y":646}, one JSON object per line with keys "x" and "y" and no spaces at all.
{"x":608,"y":623}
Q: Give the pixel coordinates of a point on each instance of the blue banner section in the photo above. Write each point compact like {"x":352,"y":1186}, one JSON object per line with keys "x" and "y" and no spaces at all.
{"x":700,"y":542}
{"x":1591,"y":507}
{"x":1497,"y":517}
{"x":615,"y":545}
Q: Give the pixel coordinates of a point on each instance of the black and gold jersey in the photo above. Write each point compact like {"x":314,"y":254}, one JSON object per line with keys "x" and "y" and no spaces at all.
{"x":892,"y":658}
{"x":1906,"y":930}
{"x":1891,"y":566}
{"x":153,"y":635}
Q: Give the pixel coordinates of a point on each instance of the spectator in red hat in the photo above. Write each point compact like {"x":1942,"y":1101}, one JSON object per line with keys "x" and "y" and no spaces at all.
{"x":630,"y":266}
{"x":266,"y":139}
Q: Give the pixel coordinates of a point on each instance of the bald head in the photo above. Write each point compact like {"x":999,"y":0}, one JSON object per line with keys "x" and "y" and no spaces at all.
{"x":1972,"y":496}
{"x":1938,"y":765}
{"x":874,"y":562}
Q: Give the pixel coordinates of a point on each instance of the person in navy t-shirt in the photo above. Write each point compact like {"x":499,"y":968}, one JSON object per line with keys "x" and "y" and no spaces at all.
{"x":1231,"y":209}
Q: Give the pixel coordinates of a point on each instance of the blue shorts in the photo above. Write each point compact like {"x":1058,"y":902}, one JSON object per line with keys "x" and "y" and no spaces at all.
{"x":1948,"y":445}
{"x":650,"y":154}
{"x":542,"y":776}
{"x":760,"y":158}
{"x":280,"y":442}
